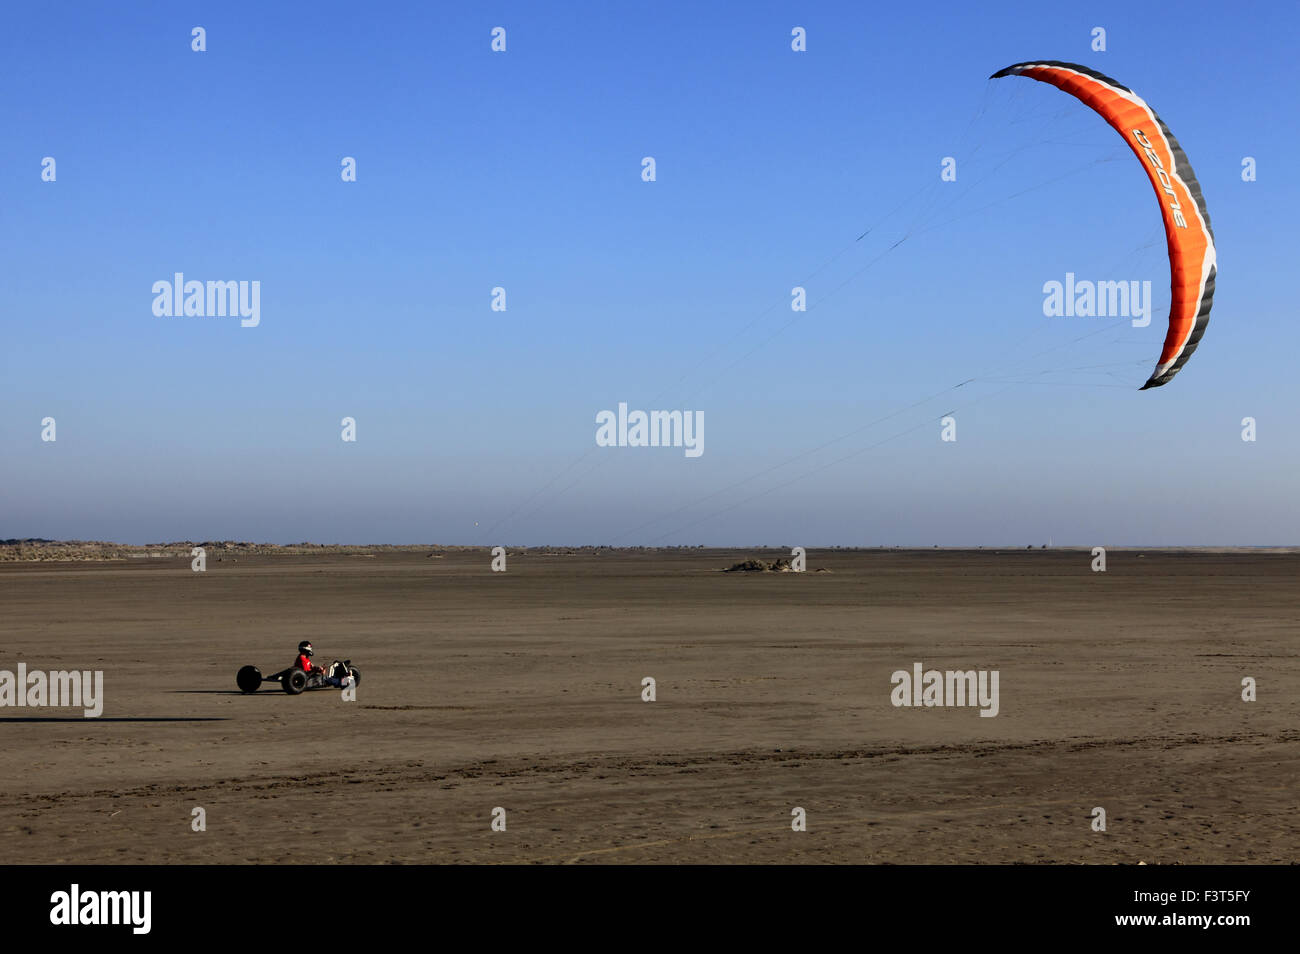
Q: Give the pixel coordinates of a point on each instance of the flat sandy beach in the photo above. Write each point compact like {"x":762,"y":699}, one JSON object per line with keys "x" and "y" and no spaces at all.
{"x":522,"y":690}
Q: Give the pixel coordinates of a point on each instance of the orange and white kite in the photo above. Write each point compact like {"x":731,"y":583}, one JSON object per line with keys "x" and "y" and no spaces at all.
{"x":1192,"y":264}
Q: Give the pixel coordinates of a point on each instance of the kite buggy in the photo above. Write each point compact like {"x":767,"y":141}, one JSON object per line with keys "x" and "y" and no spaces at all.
{"x":294,"y":680}
{"x":302,"y":675}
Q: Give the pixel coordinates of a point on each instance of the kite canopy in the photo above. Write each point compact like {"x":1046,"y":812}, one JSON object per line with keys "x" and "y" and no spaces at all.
{"x":1192,"y":263}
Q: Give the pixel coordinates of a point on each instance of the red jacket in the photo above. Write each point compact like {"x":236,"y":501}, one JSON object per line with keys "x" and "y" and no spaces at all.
{"x":303,"y":663}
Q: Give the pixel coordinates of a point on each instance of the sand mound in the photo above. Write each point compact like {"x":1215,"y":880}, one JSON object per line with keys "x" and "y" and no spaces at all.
{"x":760,"y":566}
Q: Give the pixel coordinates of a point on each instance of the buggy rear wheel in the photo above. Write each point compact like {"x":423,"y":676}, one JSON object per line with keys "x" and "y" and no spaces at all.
{"x":294,"y":682}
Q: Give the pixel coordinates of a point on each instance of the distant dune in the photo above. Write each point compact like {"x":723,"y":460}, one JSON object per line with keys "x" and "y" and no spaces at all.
{"x":37,"y":550}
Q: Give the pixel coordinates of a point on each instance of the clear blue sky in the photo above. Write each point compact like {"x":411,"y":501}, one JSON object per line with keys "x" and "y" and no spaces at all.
{"x":523,"y":170}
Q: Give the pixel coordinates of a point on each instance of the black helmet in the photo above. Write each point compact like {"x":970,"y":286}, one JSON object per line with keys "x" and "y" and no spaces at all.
{"x":304,"y":649}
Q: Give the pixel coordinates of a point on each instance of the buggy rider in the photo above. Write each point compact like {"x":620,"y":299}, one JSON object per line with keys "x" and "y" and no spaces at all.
{"x":303,"y":662}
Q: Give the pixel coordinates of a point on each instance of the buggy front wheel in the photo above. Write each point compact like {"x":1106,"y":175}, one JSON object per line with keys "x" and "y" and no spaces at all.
{"x":249,"y":679}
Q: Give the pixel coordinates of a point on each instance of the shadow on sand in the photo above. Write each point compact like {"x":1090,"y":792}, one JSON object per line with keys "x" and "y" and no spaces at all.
{"x":113,"y":719}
